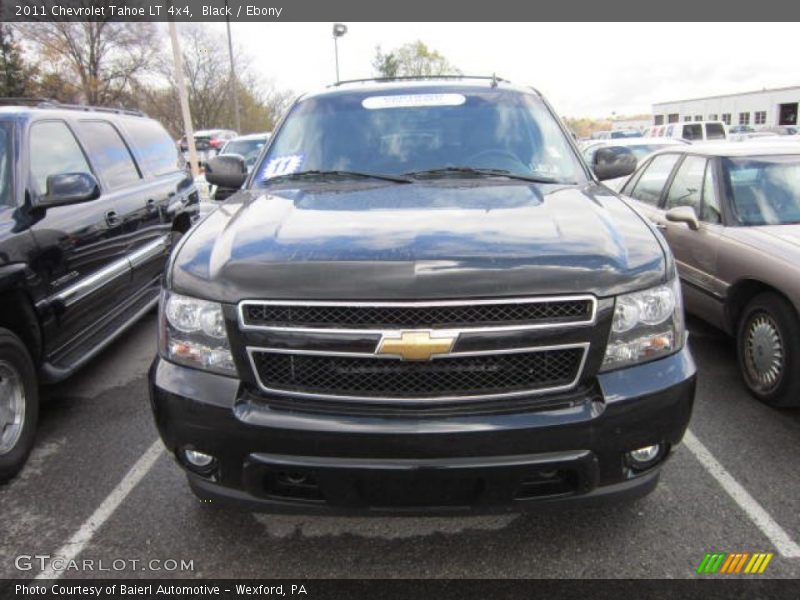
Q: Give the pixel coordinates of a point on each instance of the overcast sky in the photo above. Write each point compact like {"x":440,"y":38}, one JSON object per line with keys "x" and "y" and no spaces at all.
{"x":584,"y":69}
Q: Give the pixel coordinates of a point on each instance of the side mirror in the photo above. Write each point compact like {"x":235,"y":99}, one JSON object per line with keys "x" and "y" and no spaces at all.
{"x":683,"y":214}
{"x":226,"y":171}
{"x":69,"y":188}
{"x":611,"y":162}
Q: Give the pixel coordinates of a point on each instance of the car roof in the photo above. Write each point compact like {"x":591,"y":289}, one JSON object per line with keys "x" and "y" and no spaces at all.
{"x":443,"y":84}
{"x":23,"y":113}
{"x":643,"y":141}
{"x":251,"y":136}
{"x":734,"y":149}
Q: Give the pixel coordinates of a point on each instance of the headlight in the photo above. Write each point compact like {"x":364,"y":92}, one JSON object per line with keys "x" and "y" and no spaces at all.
{"x":192,"y":333}
{"x":647,"y":325}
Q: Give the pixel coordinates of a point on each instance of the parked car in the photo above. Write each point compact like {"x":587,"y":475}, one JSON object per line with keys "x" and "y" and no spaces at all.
{"x":248,"y":147}
{"x":790,"y":130}
{"x":731,"y":214}
{"x":616,"y":134}
{"x":422,"y":299}
{"x":639,"y":148}
{"x":697,"y":131}
{"x":740,"y":129}
{"x":91,"y":201}
{"x":209,"y":140}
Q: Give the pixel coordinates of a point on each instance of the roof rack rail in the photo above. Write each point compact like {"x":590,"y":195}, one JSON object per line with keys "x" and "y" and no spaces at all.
{"x":492,"y":78}
{"x":50,"y":103}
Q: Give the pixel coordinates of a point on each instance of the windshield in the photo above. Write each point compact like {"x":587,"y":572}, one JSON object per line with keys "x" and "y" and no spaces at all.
{"x":249,"y":149}
{"x":765,"y":190}
{"x":6,"y":197}
{"x":408,"y":133}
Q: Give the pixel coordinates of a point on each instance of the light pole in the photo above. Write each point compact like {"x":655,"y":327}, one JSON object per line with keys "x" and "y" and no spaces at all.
{"x":338,"y":31}
{"x":233,"y":82}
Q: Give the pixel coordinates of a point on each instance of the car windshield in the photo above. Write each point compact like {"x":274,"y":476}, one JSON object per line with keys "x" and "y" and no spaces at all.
{"x":6,"y":198}
{"x":249,"y":149}
{"x":423,"y":133}
{"x":765,"y":189}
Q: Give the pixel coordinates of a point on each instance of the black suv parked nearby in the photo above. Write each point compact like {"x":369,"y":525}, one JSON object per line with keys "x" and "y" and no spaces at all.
{"x":422,"y":300}
{"x":91,"y":201}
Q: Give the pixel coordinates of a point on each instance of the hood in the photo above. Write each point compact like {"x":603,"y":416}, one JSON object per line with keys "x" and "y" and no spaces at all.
{"x":418,"y":241}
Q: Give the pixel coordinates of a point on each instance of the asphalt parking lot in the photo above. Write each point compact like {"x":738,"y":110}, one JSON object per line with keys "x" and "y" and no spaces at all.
{"x":100,"y":487}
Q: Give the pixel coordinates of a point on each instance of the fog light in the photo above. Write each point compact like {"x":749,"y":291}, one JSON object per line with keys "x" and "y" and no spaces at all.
{"x":644,"y":456}
{"x":199,"y":462}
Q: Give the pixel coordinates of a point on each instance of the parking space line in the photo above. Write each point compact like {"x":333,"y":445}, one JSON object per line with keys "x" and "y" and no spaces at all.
{"x":83,"y":536}
{"x":785,"y":545}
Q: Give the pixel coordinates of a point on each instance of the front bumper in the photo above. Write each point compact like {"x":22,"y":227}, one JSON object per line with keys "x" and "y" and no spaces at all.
{"x":287,"y":460}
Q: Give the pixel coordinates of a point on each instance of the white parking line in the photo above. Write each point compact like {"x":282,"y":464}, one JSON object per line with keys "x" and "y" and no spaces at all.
{"x":785,"y":545}
{"x":83,"y":536}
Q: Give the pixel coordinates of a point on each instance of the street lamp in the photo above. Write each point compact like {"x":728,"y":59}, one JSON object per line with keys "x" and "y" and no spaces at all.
{"x":338,"y":31}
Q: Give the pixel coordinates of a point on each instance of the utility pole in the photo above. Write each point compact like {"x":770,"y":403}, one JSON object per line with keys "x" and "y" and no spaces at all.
{"x":234,"y":85}
{"x":181,"y":83}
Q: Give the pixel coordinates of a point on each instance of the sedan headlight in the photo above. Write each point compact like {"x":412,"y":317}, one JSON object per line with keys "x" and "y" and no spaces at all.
{"x":192,"y":333}
{"x":647,"y":325}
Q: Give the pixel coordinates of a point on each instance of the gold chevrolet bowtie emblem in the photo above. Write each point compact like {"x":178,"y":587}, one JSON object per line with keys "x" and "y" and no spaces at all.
{"x":416,"y":345}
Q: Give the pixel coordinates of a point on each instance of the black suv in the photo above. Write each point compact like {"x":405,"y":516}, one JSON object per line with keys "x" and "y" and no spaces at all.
{"x":422,"y":300}
{"x":91,"y":201}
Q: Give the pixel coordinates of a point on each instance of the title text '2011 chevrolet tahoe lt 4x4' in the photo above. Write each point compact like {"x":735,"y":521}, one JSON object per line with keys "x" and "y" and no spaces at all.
{"x":421,"y":301}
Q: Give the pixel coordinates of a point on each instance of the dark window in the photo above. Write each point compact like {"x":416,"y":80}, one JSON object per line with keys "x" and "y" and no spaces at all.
{"x":712,"y":117}
{"x":698,"y":117}
{"x":673,"y":118}
{"x":693,"y":132}
{"x":744,"y":118}
{"x":687,"y":186}
{"x":53,"y":150}
{"x":659,"y":120}
{"x":687,"y":118}
{"x":648,"y":188}
{"x":760,"y":117}
{"x":726,"y":118}
{"x":159,"y":153}
{"x":715,"y":131}
{"x":108,"y":153}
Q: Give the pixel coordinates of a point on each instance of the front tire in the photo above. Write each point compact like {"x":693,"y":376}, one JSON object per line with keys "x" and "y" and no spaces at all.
{"x":767,"y":346}
{"x":19,"y":404}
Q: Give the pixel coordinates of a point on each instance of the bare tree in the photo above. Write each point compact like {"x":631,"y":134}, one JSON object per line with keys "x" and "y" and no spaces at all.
{"x":207,"y":73}
{"x":101,"y":61}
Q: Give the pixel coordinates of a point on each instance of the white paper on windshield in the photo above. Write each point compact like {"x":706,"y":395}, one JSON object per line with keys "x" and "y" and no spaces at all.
{"x":413,"y":100}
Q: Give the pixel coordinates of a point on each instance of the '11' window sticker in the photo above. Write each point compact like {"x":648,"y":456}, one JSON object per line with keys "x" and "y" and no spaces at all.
{"x":282,"y":165}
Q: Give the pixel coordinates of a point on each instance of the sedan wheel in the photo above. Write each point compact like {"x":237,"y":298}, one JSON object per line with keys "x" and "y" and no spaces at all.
{"x":768,"y":349}
{"x":764,"y":356}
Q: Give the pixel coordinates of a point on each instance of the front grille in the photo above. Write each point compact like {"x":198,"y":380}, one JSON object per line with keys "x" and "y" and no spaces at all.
{"x":450,"y":377}
{"x":434,"y":315}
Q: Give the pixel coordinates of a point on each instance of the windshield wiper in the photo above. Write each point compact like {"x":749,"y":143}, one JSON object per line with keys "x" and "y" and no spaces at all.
{"x":315,"y":174}
{"x":482,"y":172}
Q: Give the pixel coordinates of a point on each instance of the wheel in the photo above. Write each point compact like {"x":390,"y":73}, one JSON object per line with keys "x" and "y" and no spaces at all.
{"x":769,"y":355}
{"x":19,"y":404}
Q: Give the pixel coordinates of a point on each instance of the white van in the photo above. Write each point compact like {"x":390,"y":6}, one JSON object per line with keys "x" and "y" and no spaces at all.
{"x":692,"y":131}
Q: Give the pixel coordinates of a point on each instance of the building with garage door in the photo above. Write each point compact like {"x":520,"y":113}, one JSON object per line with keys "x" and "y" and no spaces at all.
{"x":759,"y":109}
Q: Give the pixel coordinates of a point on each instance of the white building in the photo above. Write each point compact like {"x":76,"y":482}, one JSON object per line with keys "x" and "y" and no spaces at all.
{"x":764,"y":108}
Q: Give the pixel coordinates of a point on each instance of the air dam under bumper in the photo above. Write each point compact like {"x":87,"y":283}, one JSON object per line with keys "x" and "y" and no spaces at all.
{"x":307,"y":462}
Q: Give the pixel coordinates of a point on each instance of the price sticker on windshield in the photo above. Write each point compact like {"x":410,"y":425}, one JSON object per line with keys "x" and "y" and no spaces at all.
{"x":282,"y":165}
{"x":413,"y":101}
